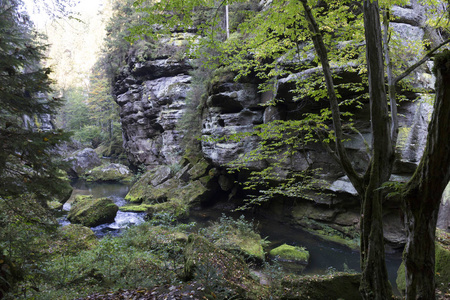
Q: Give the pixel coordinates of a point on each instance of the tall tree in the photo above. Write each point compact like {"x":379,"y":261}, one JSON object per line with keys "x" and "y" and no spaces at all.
{"x":374,"y":283}
{"x":30,"y":168}
{"x":423,"y":192}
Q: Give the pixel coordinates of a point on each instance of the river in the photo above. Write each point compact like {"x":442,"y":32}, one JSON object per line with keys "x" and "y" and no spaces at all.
{"x":325,"y":256}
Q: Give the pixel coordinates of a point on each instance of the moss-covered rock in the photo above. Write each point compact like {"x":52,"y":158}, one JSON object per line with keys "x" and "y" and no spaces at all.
{"x":336,"y":286}
{"x":177,"y":209}
{"x":76,"y":237}
{"x":111,"y":172}
{"x":199,"y":169}
{"x":290,"y":253}
{"x":246,"y":243}
{"x":160,"y":191}
{"x":135,"y":208}
{"x":142,"y":189}
{"x":206,"y":262}
{"x":92,"y":212}
{"x":54,"y":205}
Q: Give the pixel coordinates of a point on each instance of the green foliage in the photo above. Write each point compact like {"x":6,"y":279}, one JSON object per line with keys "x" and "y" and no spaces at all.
{"x":30,"y":167}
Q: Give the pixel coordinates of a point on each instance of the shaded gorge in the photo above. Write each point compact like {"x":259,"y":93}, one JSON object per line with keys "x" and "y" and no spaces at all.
{"x":325,"y":256}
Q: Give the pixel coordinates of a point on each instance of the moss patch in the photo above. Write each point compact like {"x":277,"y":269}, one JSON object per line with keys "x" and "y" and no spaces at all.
{"x":135,"y":208}
{"x":290,"y":253}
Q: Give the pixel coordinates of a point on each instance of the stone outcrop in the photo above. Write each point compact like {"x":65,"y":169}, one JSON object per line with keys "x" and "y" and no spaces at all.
{"x":152,"y":98}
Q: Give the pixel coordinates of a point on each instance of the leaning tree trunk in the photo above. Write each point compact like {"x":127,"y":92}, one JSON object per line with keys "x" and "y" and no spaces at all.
{"x":374,"y":282}
{"x":423,"y":192}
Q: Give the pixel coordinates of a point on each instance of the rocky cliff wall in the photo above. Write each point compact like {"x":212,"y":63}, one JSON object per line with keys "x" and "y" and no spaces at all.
{"x":152,"y":96}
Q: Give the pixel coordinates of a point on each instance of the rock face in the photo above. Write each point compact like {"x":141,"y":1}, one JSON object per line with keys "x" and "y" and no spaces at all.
{"x":82,"y":161}
{"x":152,"y":97}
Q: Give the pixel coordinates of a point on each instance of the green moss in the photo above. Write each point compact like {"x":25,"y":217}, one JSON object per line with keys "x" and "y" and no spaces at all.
{"x":199,"y":169}
{"x":249,"y":245}
{"x":75,"y":238}
{"x":55,"y":205}
{"x":290,"y":253}
{"x":135,"y":208}
{"x":177,"y":209}
{"x":442,"y":266}
{"x":337,"y":238}
{"x":442,"y":62}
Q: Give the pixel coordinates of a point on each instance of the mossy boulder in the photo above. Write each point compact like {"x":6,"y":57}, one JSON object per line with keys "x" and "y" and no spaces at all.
{"x":442,"y":269}
{"x":111,"y":172}
{"x":336,"y":286}
{"x":92,"y":212}
{"x":204,"y":261}
{"x":243,"y":242}
{"x":290,"y":253}
{"x":74,"y":238}
{"x":54,"y":205}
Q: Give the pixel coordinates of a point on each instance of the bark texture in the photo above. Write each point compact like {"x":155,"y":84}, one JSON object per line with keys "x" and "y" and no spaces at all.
{"x":374,"y":282}
{"x":423,"y":192}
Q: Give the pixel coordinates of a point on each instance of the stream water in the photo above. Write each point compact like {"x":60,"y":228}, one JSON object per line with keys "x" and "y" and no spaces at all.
{"x":324,"y":256}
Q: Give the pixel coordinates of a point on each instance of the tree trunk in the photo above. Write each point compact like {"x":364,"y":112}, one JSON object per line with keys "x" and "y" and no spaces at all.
{"x":423,"y":192}
{"x":374,"y":281}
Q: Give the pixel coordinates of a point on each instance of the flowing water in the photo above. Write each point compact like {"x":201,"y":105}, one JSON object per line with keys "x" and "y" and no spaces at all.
{"x":325,"y":256}
{"x":114,"y":191}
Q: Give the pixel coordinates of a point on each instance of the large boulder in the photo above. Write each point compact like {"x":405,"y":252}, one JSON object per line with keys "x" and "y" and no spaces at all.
{"x":111,"y":172}
{"x":83,"y":161}
{"x":92,"y":212}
